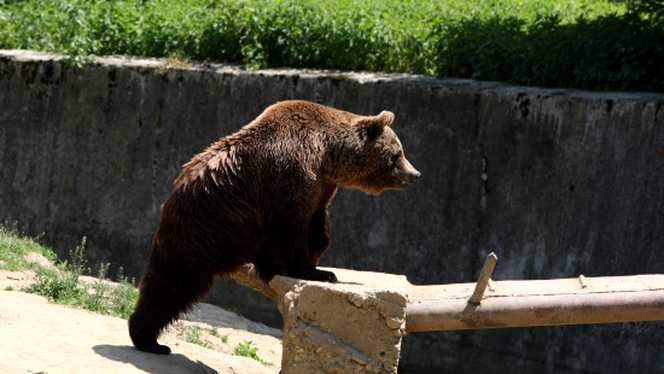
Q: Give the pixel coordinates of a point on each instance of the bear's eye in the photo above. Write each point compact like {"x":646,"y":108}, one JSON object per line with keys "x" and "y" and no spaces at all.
{"x":395,"y":158}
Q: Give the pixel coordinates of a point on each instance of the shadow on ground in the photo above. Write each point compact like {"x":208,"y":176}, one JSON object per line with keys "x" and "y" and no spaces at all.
{"x":151,"y":363}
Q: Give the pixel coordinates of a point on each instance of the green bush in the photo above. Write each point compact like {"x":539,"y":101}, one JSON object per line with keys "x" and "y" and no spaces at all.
{"x":651,"y":9}
{"x":609,"y":52}
{"x":597,"y":44}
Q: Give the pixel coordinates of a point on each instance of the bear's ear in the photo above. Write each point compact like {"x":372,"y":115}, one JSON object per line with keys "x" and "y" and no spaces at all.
{"x":372,"y":127}
{"x":385,"y":118}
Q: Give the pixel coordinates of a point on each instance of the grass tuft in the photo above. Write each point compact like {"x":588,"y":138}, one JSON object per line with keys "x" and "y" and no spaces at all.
{"x":247,"y":349}
{"x":14,"y":247}
{"x":193,"y":336}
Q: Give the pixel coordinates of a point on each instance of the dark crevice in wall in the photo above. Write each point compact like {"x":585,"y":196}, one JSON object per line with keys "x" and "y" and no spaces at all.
{"x":523,"y":104}
{"x":484,"y":176}
{"x":609,"y":106}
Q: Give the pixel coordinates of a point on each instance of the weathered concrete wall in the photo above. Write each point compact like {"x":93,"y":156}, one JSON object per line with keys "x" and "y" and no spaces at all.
{"x":557,"y":182}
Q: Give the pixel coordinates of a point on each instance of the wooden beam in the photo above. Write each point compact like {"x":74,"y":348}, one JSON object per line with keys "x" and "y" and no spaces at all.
{"x":274,"y":290}
{"x":524,"y":303}
{"x":537,"y":303}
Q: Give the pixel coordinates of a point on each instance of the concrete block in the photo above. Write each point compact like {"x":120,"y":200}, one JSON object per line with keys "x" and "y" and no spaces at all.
{"x":354,"y":326}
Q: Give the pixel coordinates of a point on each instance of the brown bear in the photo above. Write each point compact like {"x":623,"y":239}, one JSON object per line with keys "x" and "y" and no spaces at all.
{"x":261,"y":196}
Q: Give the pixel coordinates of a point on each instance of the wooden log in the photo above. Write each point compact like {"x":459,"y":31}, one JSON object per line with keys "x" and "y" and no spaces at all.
{"x":538,"y":303}
{"x":274,"y":290}
{"x":248,"y":277}
{"x":525,"y":303}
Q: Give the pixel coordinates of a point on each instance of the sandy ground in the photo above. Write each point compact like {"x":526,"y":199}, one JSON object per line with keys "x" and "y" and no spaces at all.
{"x":37,"y":336}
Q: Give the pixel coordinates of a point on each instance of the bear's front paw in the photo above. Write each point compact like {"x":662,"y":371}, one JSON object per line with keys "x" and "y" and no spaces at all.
{"x":325,"y":276}
{"x":313,"y":275}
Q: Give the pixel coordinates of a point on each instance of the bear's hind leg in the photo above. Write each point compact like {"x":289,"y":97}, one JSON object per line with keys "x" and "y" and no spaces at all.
{"x":164,"y":295}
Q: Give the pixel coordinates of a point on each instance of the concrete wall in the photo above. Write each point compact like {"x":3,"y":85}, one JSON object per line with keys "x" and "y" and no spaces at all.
{"x":557,"y":182}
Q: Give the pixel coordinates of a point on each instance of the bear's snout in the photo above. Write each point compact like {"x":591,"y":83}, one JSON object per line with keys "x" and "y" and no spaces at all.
{"x":408,"y":174}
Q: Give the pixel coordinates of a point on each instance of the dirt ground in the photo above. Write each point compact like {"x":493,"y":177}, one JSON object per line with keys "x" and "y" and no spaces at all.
{"x":37,"y":336}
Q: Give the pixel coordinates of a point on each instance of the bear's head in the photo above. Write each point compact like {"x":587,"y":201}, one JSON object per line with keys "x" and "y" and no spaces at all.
{"x":373,"y":157}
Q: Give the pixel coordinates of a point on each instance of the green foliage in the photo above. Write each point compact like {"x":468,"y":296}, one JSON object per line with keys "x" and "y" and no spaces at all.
{"x":597,"y":43}
{"x":194,"y":336}
{"x":14,"y":247}
{"x":651,"y":9}
{"x":122,"y":300}
{"x":60,"y":287}
{"x":215,"y":332}
{"x":61,"y":283}
{"x":247,"y":349}
{"x":64,"y":286}
{"x":629,"y":55}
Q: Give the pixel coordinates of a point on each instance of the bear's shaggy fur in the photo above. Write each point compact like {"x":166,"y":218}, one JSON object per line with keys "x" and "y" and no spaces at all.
{"x":261,"y":196}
